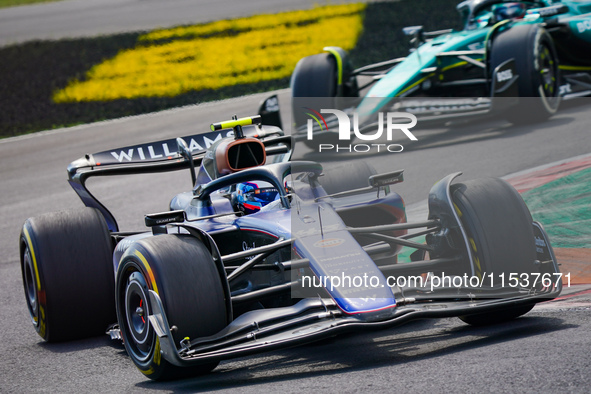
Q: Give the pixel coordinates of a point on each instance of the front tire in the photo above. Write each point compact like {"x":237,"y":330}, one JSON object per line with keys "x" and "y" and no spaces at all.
{"x":314,"y":76}
{"x":500,"y":232}
{"x":180,"y":269}
{"x":66,"y":265}
{"x":536,"y":63}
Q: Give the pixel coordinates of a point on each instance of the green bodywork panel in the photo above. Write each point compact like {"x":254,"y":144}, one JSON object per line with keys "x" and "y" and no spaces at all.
{"x":427,"y":64}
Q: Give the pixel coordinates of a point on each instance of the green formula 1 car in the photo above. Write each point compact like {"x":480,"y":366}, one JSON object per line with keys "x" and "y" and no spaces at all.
{"x":521,"y":57}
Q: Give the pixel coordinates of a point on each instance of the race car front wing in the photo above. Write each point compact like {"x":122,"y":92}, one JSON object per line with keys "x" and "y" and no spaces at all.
{"x":314,"y":319}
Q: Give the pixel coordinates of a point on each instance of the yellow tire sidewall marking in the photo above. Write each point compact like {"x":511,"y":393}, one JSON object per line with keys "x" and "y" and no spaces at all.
{"x":30,"y":245}
{"x":41,"y":318}
{"x":157,"y":355}
{"x":148,"y":270}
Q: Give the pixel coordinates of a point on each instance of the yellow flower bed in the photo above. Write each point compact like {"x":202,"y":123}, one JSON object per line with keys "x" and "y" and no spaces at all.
{"x":170,"y":62}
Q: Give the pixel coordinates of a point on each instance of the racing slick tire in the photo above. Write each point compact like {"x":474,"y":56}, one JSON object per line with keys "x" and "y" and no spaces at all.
{"x":181,"y":270}
{"x":536,"y":64}
{"x":346,"y":177}
{"x":67,"y":270}
{"x":319,"y":76}
{"x":314,"y":76}
{"x":500,"y":232}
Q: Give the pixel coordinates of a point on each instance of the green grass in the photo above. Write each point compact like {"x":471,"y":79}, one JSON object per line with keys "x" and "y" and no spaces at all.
{"x":564,"y":207}
{"x":14,"y":3}
{"x":32,"y":71}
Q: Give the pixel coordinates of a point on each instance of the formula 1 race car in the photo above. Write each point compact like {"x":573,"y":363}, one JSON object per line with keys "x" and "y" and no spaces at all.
{"x":312,"y":255}
{"x":538,"y":51}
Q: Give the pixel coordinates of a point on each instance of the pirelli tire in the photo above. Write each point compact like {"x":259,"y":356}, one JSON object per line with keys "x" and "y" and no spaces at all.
{"x":500,"y":233}
{"x":536,"y":64}
{"x":67,"y":271}
{"x":181,"y":270}
{"x":314,"y":76}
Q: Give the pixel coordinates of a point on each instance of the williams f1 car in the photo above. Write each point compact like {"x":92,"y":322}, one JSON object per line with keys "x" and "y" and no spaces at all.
{"x":519,"y":58}
{"x":265,"y":253}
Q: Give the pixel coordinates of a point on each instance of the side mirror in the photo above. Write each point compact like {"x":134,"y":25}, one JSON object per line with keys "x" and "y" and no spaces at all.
{"x":417,"y":34}
{"x":159,"y":219}
{"x":548,"y":12}
{"x":386,"y":179}
{"x":269,"y":112}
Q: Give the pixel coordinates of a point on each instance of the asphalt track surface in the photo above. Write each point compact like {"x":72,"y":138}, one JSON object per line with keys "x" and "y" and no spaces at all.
{"x":87,"y":18}
{"x":545,"y":351}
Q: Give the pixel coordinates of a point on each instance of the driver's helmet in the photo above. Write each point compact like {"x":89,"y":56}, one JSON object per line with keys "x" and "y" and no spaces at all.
{"x":514,"y":10}
{"x":250,"y":197}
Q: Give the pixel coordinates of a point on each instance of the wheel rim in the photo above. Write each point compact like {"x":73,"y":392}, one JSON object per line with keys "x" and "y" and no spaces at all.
{"x":547,"y":67}
{"x":136,"y":306}
{"x":30,"y":287}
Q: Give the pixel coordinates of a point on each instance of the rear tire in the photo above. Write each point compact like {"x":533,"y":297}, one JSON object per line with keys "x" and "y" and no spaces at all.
{"x":67,"y":270}
{"x":181,"y":270}
{"x":499,"y":227}
{"x":536,"y":63}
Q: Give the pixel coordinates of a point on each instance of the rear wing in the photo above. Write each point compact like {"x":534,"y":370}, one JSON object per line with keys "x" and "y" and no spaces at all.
{"x":159,"y":156}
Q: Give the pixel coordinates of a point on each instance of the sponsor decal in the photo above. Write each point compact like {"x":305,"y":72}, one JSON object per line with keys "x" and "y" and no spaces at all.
{"x":540,"y":244}
{"x":449,"y":106}
{"x":388,"y":124}
{"x":152,"y":153}
{"x":246,"y":246}
{"x":166,"y":149}
{"x":549,"y":11}
{"x":476,"y":46}
{"x":566,"y":89}
{"x":329,"y":243}
{"x":583,"y":26}
{"x":504,"y":75}
{"x":162,"y":150}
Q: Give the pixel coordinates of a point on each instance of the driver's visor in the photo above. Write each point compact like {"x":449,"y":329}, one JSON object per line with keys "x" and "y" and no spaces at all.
{"x":267,"y":194}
